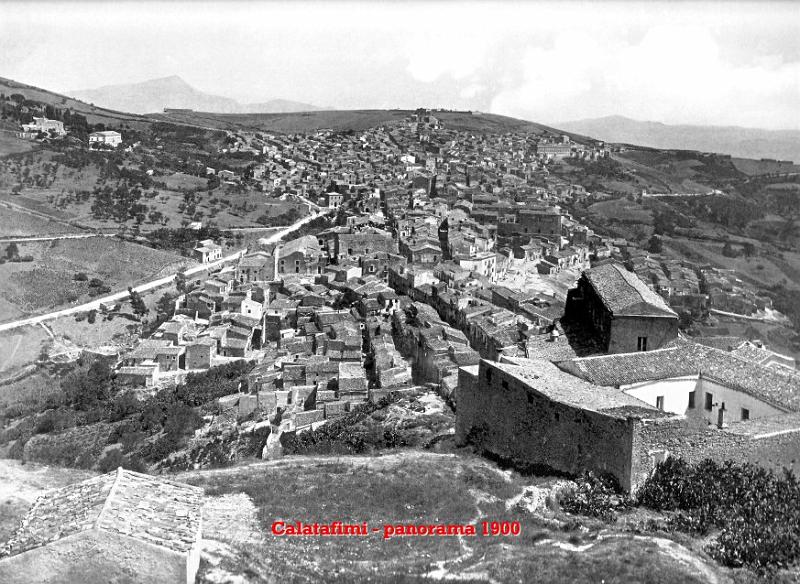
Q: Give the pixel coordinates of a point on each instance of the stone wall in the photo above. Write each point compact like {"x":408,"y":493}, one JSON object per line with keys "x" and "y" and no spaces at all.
{"x":626,"y":330}
{"x":677,"y":437}
{"x":505,"y":418}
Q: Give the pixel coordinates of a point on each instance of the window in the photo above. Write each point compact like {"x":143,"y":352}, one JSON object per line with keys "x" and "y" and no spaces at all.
{"x":745,"y":414}
{"x":504,"y":384}
{"x":641,"y":344}
{"x":660,"y":402}
{"x":371,"y":268}
{"x":709,"y":401}
{"x":691,"y":399}
{"x":489,"y":375}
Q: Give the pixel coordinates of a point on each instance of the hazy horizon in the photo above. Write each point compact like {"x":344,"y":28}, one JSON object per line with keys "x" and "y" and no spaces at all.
{"x":710,"y":63}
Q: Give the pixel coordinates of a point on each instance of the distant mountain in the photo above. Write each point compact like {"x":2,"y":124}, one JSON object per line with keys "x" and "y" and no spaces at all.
{"x":173,"y":92}
{"x":739,"y":142}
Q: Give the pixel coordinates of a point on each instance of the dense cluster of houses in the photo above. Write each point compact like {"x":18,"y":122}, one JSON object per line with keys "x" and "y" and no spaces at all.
{"x":417,"y":284}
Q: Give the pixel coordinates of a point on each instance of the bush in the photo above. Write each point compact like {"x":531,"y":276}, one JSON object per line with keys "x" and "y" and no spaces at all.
{"x":596,"y":496}
{"x":756,"y":511}
{"x":163,"y":447}
{"x":54,"y":421}
{"x":347,"y":435}
{"x":80,"y":277}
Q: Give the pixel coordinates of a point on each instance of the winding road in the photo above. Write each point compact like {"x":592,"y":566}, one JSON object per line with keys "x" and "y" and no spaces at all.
{"x":165,"y":281}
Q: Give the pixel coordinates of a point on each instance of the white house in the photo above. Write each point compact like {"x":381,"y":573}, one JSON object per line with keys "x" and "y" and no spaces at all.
{"x":108,"y":137}
{"x":44,"y":125}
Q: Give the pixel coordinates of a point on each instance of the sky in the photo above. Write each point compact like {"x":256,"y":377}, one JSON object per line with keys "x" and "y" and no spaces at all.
{"x":709,"y":63}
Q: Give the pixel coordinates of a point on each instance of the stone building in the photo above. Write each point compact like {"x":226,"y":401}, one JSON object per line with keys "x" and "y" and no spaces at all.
{"x":622,"y":311}
{"x":119,"y":527}
{"x":622,"y":414}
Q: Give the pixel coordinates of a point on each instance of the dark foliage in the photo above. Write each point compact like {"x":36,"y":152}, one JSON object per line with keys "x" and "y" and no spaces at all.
{"x":756,"y":511}
{"x":596,"y":496}
{"x":346,"y":435}
{"x":200,"y":388}
{"x":183,"y":239}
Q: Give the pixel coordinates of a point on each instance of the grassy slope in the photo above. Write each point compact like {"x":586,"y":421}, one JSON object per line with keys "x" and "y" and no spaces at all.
{"x":46,"y":282}
{"x":390,"y":489}
{"x":94,"y":115}
{"x":15,"y":223}
{"x":289,"y":122}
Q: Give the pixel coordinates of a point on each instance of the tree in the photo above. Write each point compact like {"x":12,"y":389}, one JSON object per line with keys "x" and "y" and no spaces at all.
{"x":12,"y":251}
{"x":655,"y":244}
{"x":728,"y":251}
{"x":85,"y":389}
{"x":749,"y":249}
{"x":137,"y":304}
{"x":180,"y":282}
{"x":165,"y":307}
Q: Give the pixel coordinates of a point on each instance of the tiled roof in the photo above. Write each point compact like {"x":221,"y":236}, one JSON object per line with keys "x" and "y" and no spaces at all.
{"x":624,"y":294}
{"x":775,"y":386}
{"x":151,"y":509}
{"x":545,"y":378}
{"x":719,"y":342}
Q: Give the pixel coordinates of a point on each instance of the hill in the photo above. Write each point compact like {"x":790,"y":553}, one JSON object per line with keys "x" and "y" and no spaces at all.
{"x":342,"y":120}
{"x":241,"y":503}
{"x":741,"y":142}
{"x":93,"y":114}
{"x":173,"y":92}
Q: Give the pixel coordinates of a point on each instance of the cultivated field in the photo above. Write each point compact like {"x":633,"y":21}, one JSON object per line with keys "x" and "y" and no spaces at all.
{"x":14,"y":223}
{"x":49,"y":281}
{"x":289,"y":122}
{"x":762,"y":270}
{"x":755,"y":167}
{"x":622,"y":210}
{"x":66,"y":194}
{"x":20,"y":347}
{"x":10,"y":144}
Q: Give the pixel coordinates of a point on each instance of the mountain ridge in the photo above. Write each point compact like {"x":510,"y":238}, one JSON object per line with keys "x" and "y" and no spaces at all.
{"x":153,"y":95}
{"x":734,"y":140}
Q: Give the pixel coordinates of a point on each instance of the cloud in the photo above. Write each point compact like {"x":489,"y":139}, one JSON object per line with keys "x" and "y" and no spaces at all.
{"x":674,"y":73}
{"x":431,"y":56}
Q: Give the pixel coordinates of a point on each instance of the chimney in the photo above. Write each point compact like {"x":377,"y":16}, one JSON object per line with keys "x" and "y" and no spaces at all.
{"x":721,"y":416}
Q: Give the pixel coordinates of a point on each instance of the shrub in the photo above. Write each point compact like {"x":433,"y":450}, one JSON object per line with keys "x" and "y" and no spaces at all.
{"x":756,"y":511}
{"x":54,"y":421}
{"x":80,"y":277}
{"x":596,"y":496}
{"x":349,"y":434}
{"x":163,"y":447}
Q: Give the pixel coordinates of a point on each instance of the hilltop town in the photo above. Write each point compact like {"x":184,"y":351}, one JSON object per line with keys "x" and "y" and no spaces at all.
{"x":423,"y":283}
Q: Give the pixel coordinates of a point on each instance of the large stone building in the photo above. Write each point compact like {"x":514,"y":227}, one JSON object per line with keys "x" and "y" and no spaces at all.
{"x":118,"y":527}
{"x":623,"y":312}
{"x":301,"y":256}
{"x":622,"y":414}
